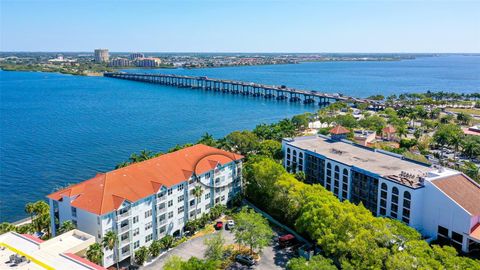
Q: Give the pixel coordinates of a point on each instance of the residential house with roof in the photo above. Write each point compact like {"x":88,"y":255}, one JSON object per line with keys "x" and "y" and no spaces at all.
{"x":440,"y":203}
{"x":150,"y":199}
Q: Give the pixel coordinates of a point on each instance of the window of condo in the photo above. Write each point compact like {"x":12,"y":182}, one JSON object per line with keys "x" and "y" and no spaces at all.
{"x":328,"y":184}
{"x":148,"y":213}
{"x":148,"y":226}
{"x":394,"y":205}
{"x":180,"y":198}
{"x":170,"y":214}
{"x":136,"y":232}
{"x":192,"y":214}
{"x":136,"y":244}
{"x":406,"y":207}
{"x":192,"y":202}
{"x":345,"y":184}
{"x":135,"y":219}
{"x":74,"y":212}
{"x":170,"y":191}
{"x":170,"y":203}
{"x":149,"y":237}
{"x":207,"y":196}
{"x":180,"y":209}
{"x":180,"y":187}
{"x":443,"y":231}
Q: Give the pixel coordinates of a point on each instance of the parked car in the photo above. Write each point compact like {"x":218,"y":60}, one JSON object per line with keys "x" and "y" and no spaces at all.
{"x":230,"y":224}
{"x":218,"y":225}
{"x":245,"y":260}
{"x":287,"y":240}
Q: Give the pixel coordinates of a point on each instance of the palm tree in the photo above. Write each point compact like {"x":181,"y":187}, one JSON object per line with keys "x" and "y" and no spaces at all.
{"x":110,"y":242}
{"x":66,"y":226}
{"x":197,"y":192}
{"x":94,"y":253}
{"x":208,"y":139}
{"x":145,"y":154}
{"x":471,"y":146}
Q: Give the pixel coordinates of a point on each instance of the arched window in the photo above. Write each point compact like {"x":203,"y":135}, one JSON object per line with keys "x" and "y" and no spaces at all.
{"x":406,"y":207}
{"x":394,"y":205}
{"x":288,"y":150}
{"x":300,"y":155}
{"x":294,"y":152}
{"x":383,"y":199}
{"x":345,"y":184}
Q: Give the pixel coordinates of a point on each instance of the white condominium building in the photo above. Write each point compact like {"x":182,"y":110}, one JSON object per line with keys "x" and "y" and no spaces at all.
{"x":440,"y":203}
{"x":150,"y":199}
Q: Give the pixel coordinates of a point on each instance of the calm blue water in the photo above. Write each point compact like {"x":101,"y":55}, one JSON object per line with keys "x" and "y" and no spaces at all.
{"x":453,"y":73}
{"x":58,"y":129}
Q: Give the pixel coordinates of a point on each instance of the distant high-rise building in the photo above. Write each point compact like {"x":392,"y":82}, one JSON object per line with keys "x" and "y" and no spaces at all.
{"x":101,"y":55}
{"x":134,"y":56}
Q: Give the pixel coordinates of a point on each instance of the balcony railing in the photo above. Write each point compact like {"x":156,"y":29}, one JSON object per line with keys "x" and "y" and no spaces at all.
{"x":124,"y":228}
{"x":161,"y":199}
{"x":125,"y":215}
{"x":125,"y":241}
{"x":162,"y":222}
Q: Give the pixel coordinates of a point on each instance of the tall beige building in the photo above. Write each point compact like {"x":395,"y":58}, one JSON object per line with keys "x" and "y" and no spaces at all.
{"x":101,"y":55}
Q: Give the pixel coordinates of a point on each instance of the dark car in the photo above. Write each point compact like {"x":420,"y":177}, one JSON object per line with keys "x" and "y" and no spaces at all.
{"x":245,"y":260}
{"x":218,"y":225}
{"x":287,"y":240}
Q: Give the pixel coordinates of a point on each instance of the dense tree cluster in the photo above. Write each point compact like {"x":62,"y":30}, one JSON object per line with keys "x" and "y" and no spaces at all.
{"x":346,"y":233}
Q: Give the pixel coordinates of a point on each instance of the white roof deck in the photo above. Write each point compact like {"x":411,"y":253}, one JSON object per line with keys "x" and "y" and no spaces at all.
{"x":386,"y":165}
{"x":50,"y":254}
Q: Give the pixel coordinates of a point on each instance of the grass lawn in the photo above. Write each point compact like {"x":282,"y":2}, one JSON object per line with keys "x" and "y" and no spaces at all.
{"x":468,"y":111}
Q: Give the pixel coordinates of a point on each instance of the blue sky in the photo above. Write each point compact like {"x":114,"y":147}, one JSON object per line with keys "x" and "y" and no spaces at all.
{"x":240,"y":26}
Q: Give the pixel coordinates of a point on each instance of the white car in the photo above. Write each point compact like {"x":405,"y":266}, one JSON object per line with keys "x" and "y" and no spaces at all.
{"x":230,"y":224}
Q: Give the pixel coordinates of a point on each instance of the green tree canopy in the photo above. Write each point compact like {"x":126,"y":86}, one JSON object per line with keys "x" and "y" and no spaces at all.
{"x":215,"y":247}
{"x":252,"y":230}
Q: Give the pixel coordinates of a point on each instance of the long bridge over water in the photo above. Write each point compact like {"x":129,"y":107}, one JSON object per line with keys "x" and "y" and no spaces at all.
{"x":243,"y":88}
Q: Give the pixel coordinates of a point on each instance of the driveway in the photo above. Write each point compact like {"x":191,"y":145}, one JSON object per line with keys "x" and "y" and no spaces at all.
{"x":272,"y":257}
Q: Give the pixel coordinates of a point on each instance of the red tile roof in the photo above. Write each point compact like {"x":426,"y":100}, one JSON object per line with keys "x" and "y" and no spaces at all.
{"x":339,"y":130}
{"x":462,"y":190}
{"x":475,"y":232}
{"x":33,"y":238}
{"x":83,"y":261}
{"x":107,"y":191}
{"x":389,"y":129}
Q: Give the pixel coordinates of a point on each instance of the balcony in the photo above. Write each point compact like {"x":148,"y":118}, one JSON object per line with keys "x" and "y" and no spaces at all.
{"x":123,"y":228}
{"x":124,"y":215}
{"x":124,"y":253}
{"x":125,"y":241}
{"x":162,"y":222}
{"x":162,"y":198}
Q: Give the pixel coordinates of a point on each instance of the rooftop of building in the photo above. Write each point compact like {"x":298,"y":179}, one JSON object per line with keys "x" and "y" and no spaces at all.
{"x":337,"y":130}
{"x":56,"y":253}
{"x":387,"y":165}
{"x":107,"y":191}
{"x":462,"y":190}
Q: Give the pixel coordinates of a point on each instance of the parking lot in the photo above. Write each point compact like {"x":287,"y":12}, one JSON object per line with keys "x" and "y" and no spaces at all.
{"x":272,"y":257}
